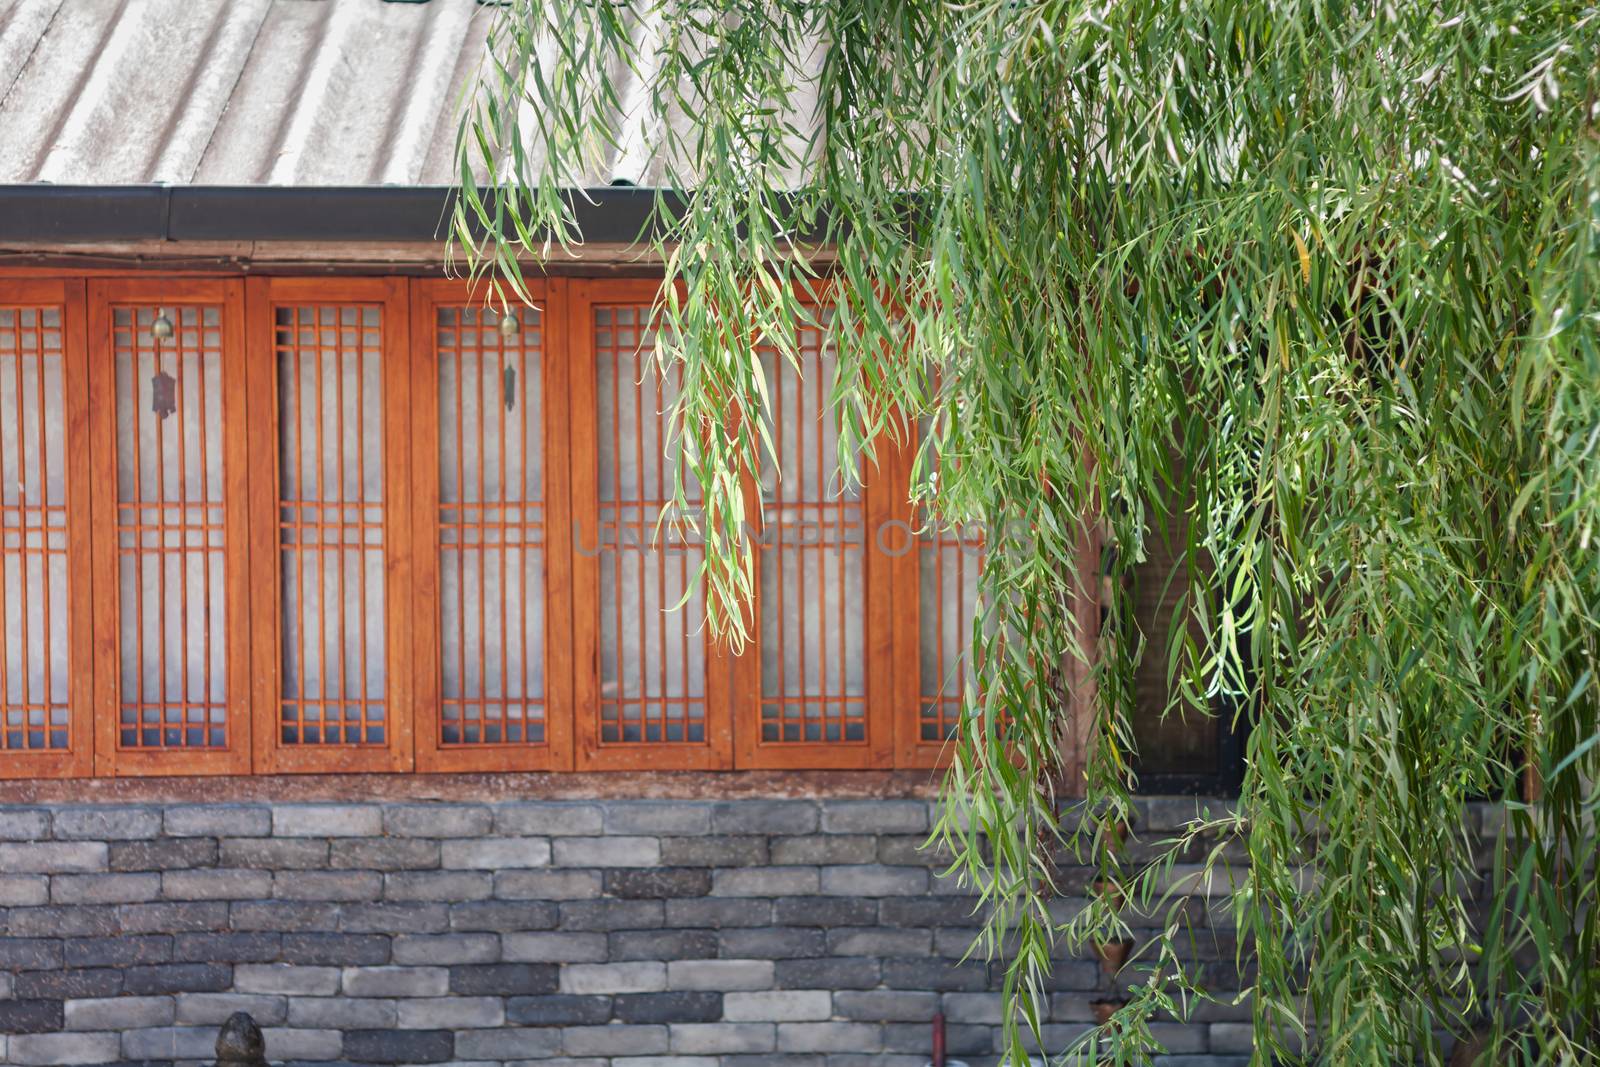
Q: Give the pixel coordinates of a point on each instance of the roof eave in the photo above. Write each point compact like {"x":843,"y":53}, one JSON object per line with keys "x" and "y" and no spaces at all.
{"x":71,"y":214}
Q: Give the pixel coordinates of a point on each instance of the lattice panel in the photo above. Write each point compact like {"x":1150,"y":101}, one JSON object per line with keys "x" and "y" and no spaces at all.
{"x":491,"y":530}
{"x":331,"y":524}
{"x":652,"y":658}
{"x":813,"y":565}
{"x":948,"y":563}
{"x":34,"y":576}
{"x":170,"y":528}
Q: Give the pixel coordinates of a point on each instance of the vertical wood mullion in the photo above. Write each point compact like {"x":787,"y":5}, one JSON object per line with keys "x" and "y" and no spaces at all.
{"x":205,"y":532}
{"x":634,"y":510}
{"x":161,"y":516}
{"x":660,"y":563}
{"x":300,"y":509}
{"x":183,"y":524}
{"x":5,"y":640}
{"x":525,"y":683}
{"x":424,"y":508}
{"x":620,"y":514}
{"x":583,"y":419}
{"x":461,"y":519}
{"x":685,"y":641}
{"x":398,"y":556}
{"x":789,"y":554}
{"x":744,"y":666}
{"x":337,"y":528}
{"x":883,"y":496}
{"x":483,"y":539}
{"x":136,"y":496}
{"x":44,"y":525}
{"x":81,"y":661}
{"x":319,"y":552}
{"x":363,"y":701}
{"x":22,"y":518}
{"x":236,"y":549}
{"x":878,"y":625}
{"x":264,"y":433}
{"x":726,"y":681}
{"x":495,"y":400}
{"x":907,"y":606}
{"x":840,"y":560}
{"x":555,"y":361}
{"x":102,"y":495}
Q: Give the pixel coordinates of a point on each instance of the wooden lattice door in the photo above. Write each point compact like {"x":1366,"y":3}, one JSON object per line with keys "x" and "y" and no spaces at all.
{"x":330,"y":498}
{"x":45,"y":668}
{"x":169,"y":510}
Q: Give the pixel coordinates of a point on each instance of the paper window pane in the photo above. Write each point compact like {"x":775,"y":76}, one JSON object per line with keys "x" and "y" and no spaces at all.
{"x":491,"y":529}
{"x":652,"y":657}
{"x":331,"y":524}
{"x":34,"y":711}
{"x":949,"y":562}
{"x":171,"y":538}
{"x":813,"y":565}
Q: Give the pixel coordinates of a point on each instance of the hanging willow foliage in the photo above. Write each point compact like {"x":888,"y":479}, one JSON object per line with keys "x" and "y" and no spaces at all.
{"x":1314,"y":283}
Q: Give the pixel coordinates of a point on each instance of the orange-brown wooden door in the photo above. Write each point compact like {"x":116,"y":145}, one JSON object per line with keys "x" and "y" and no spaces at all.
{"x":330,"y":488}
{"x":651,"y":686}
{"x":167,"y":387}
{"x":491,"y":464}
{"x":815,"y":687}
{"x":45,"y":657}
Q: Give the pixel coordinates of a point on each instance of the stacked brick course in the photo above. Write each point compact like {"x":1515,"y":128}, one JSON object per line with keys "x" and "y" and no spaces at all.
{"x":670,"y":933}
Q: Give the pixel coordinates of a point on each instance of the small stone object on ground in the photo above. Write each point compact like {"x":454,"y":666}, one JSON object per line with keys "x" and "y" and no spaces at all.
{"x":240,"y":1041}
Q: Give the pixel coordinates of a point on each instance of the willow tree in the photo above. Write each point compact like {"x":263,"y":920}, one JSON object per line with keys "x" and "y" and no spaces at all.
{"x":1314,"y":283}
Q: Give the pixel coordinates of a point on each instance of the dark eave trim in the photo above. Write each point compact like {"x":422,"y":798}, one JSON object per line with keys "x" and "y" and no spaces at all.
{"x":68,"y":214}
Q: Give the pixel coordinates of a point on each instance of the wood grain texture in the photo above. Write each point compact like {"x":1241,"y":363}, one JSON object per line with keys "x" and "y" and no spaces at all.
{"x":433,"y":752}
{"x":877,"y":748}
{"x":593,"y":753}
{"x":265,"y":298}
{"x":77,"y":758}
{"x":570,"y":508}
{"x":234,"y":757}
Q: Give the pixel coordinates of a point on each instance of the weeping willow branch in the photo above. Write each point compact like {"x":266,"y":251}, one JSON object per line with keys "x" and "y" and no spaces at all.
{"x":1314,"y":284}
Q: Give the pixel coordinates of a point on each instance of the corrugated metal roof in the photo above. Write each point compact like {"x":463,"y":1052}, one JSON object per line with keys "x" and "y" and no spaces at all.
{"x":246,"y":92}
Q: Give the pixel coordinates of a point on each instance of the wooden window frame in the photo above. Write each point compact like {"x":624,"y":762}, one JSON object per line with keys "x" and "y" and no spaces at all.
{"x":877,"y":750}
{"x":716,"y":752}
{"x":1077,"y":727}
{"x":911,"y":750}
{"x":555,"y":753}
{"x":103,"y":296}
{"x":569,"y":426}
{"x":77,"y":759}
{"x":264,"y":297}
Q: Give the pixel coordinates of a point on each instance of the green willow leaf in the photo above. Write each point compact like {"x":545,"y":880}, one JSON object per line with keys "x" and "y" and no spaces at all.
{"x":1309,"y":286}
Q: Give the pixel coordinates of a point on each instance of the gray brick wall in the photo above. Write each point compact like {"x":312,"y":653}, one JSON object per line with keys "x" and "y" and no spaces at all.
{"x":677,"y":933}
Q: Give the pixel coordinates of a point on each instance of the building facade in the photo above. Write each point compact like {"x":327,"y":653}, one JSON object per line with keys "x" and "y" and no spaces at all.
{"x":341,"y":682}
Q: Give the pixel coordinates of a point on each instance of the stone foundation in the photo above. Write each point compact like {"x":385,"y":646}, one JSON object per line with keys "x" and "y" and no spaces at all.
{"x":633,"y":933}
